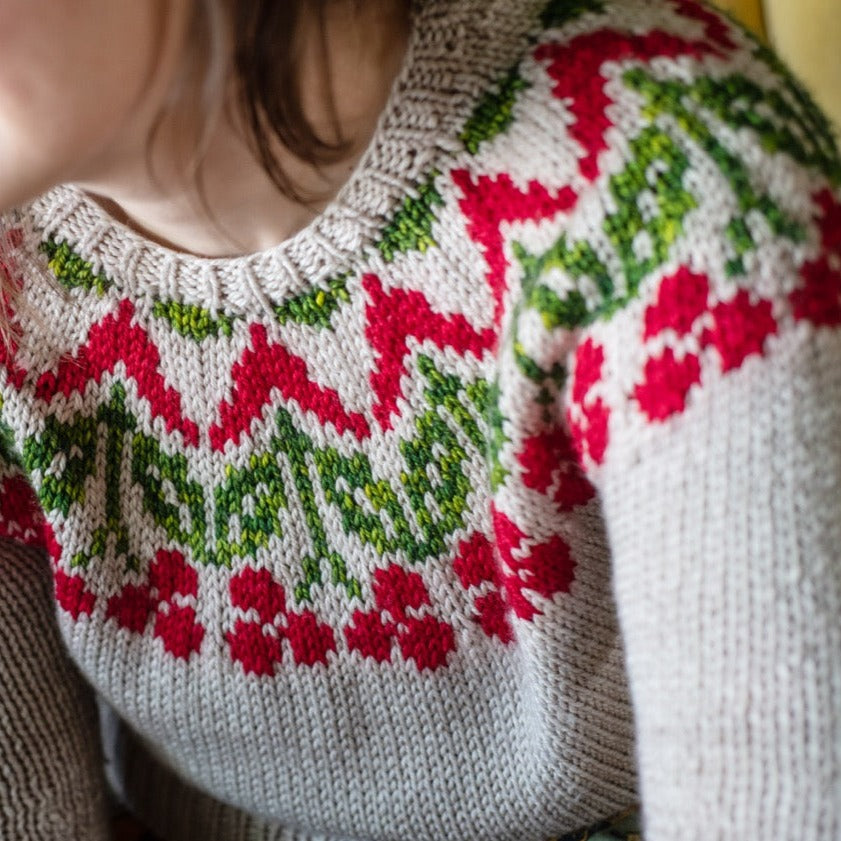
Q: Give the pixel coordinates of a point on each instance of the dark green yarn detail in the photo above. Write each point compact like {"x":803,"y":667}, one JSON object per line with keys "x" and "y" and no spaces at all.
{"x":175,"y":502}
{"x":669,"y":97}
{"x":578,"y":261}
{"x":497,"y":439}
{"x":71,"y":271}
{"x":657,"y":170}
{"x":412,"y":514}
{"x":247,"y":508}
{"x":372,"y":508}
{"x":494,"y":112}
{"x":191,"y":321}
{"x":804,"y":111}
{"x":735,"y":100}
{"x":315,"y":307}
{"x":65,"y":454}
{"x":9,"y":455}
{"x":411,"y":227}
{"x":298,"y":448}
{"x":559,"y":12}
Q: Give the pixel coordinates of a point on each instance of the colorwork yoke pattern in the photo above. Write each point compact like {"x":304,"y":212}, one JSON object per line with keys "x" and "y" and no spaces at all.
{"x":502,"y":496}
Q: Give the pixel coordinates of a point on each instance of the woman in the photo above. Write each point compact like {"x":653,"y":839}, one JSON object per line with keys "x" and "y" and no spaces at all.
{"x":359,"y":355}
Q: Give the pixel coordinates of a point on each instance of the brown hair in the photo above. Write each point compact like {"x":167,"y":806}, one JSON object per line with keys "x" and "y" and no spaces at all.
{"x":254,"y":45}
{"x":257,"y":45}
{"x":265,"y":62}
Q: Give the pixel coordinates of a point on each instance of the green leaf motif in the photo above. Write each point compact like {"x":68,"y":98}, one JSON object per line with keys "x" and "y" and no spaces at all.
{"x":315,"y":307}
{"x":71,"y":271}
{"x":411,"y":227}
{"x":191,"y":321}
{"x":494,"y":112}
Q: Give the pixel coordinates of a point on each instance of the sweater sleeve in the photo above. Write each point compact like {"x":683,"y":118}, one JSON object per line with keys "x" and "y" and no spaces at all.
{"x":725,"y":532}
{"x":51,"y":780}
{"x":700,"y":294}
{"x":708,"y":414}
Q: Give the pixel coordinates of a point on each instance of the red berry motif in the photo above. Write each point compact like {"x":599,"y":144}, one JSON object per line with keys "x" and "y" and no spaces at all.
{"x":476,"y":569}
{"x":819,"y":299}
{"x":257,"y":644}
{"x":736,"y":328}
{"x":401,"y":616}
{"x":588,"y":415}
{"x":159,"y":598}
{"x":546,"y":569}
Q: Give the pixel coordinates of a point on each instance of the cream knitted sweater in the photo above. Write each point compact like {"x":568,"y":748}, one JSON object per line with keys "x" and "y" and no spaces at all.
{"x":508,"y":485}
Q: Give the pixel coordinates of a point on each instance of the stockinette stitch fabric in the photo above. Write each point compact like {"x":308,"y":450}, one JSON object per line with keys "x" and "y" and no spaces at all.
{"x":503,"y":495}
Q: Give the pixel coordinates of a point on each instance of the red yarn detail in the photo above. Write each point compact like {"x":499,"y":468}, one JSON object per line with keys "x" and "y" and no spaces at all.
{"x":257,"y":590}
{"x":427,"y":641}
{"x":72,"y":595}
{"x":716,"y":28}
{"x":549,"y":460}
{"x":395,"y":316}
{"x":178,"y":630}
{"x":490,"y":202}
{"x":475,"y":563}
{"x":666,"y":382}
{"x":309,"y":639}
{"x":475,"y":566}
{"x":423,"y":639}
{"x":21,"y":517}
{"x":254,"y":649}
{"x":588,"y":418}
{"x":740,"y":329}
{"x":113,"y":341}
{"x":492,"y":616}
{"x":547,"y":569}
{"x":257,"y":646}
{"x":576,"y":69}
{"x":50,"y":542}
{"x":15,"y":374}
{"x":830,"y":221}
{"x":370,"y":635}
{"x":265,"y":367}
{"x":132,"y":607}
{"x":589,"y":359}
{"x":175,"y":625}
{"x":819,"y":299}
{"x":508,"y":535}
{"x":590,"y":432}
{"x":681,"y":299}
{"x":396,"y":591}
{"x":169,"y":575}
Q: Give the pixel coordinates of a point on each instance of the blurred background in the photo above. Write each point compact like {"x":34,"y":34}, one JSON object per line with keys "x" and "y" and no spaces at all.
{"x":807,"y":34}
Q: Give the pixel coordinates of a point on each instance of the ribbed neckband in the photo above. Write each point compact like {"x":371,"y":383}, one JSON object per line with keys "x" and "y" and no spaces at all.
{"x":447,"y":64}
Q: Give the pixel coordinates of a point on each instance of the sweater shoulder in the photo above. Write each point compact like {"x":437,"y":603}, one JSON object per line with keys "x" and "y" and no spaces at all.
{"x":684,"y":195}
{"x":585,"y":72}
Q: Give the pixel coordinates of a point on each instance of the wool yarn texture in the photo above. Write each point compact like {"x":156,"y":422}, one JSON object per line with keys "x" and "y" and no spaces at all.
{"x":501,"y":497}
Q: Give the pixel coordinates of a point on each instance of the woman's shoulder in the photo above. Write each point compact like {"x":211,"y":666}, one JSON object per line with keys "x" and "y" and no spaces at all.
{"x":575,"y":73}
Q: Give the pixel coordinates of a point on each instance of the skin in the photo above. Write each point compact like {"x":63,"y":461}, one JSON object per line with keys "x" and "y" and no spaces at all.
{"x":82,"y":83}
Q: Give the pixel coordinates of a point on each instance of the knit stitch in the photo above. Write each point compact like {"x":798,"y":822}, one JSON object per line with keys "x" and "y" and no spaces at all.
{"x":336,"y":528}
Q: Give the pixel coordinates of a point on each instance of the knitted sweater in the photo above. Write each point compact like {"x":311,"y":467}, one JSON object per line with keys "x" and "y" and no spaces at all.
{"x":502,"y":495}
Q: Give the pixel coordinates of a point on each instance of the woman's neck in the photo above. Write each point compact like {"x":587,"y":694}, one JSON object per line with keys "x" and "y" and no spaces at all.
{"x":234,"y":207}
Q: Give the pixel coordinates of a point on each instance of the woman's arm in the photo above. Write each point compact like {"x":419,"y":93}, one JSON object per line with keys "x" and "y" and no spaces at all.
{"x":726,"y":536}
{"x":51,"y":780}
